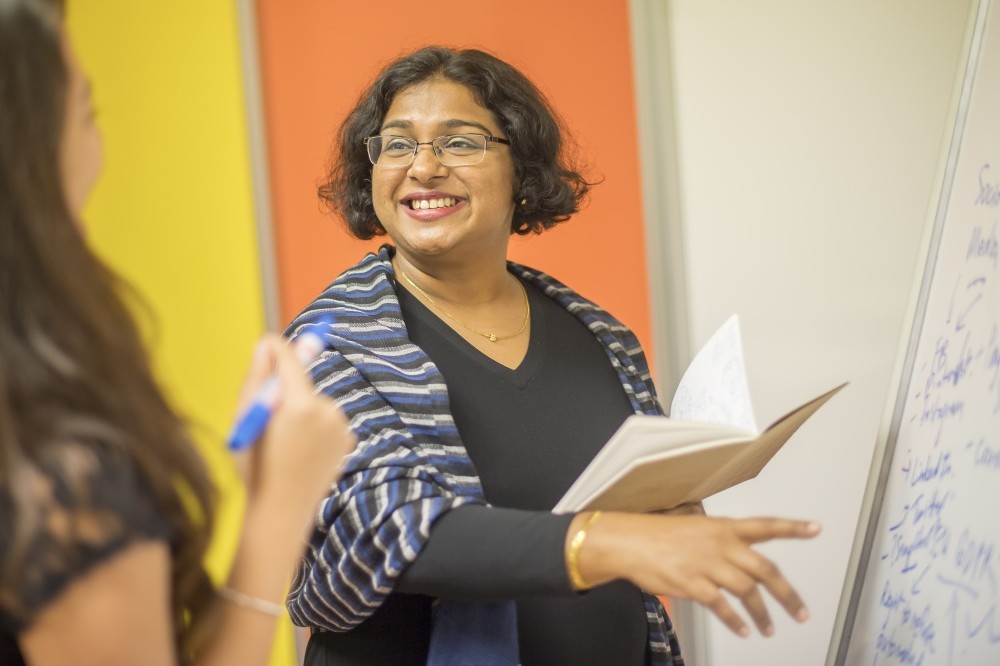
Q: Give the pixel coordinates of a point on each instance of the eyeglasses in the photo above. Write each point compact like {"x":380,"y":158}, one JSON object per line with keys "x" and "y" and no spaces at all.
{"x":394,"y":152}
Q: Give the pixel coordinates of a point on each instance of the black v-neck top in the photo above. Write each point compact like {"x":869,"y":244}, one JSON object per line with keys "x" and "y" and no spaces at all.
{"x":530,"y":432}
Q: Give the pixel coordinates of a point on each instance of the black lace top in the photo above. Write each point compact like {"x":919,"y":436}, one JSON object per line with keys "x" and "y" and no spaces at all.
{"x":88,"y":504}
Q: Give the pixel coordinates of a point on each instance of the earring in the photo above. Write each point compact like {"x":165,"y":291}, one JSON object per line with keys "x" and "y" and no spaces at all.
{"x":524,"y":202}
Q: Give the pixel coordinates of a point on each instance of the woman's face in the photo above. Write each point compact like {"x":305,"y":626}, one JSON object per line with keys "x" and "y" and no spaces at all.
{"x":474,"y":222}
{"x":81,"y":152}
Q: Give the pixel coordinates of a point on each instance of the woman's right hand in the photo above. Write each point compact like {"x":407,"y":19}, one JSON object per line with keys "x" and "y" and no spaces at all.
{"x":695,"y":557}
{"x":287,"y":473}
{"x":302,"y":450}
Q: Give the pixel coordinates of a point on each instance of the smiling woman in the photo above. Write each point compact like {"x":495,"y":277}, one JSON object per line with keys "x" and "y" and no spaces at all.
{"x":476,"y":228}
{"x":479,"y":389}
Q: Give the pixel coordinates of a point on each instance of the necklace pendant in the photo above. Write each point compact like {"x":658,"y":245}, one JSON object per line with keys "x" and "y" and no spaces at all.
{"x":493,"y":337}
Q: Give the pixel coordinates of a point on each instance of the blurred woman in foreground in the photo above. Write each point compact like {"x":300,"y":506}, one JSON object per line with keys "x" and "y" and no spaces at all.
{"x":105,"y":506}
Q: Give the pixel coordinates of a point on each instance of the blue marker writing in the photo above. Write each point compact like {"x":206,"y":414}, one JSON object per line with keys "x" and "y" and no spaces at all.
{"x":307,"y":347}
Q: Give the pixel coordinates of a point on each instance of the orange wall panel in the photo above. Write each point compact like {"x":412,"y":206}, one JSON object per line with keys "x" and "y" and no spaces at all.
{"x":317,"y":56}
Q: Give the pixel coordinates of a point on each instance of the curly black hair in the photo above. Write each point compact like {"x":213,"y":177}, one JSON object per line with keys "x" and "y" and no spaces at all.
{"x":549,"y":185}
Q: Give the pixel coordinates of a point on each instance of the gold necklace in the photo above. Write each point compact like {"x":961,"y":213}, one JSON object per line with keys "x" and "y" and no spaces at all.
{"x":492,"y":337}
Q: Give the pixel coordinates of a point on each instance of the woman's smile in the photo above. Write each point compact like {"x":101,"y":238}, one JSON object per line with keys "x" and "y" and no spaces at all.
{"x":427,"y":206}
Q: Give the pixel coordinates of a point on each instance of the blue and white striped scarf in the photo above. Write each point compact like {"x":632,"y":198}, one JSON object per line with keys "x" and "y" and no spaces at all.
{"x":410,"y":465}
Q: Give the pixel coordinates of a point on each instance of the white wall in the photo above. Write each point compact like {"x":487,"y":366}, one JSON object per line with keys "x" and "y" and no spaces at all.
{"x":807,"y":140}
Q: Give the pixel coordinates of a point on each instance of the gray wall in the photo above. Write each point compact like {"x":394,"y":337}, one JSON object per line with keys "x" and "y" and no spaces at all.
{"x":797,"y":144}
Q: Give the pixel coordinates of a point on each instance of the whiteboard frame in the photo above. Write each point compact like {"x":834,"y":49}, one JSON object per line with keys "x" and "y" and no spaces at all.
{"x":882,"y":457}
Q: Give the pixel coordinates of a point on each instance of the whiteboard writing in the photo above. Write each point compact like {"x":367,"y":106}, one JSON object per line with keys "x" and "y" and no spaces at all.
{"x":927,"y":591}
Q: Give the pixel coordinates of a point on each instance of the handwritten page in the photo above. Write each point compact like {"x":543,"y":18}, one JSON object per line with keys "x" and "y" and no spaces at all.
{"x":714,"y":388}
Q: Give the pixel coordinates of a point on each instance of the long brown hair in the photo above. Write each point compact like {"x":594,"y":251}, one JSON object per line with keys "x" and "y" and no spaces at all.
{"x":72,"y":364}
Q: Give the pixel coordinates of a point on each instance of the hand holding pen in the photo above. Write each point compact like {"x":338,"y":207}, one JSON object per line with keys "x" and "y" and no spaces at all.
{"x":300,"y":451}
{"x":307,"y":347}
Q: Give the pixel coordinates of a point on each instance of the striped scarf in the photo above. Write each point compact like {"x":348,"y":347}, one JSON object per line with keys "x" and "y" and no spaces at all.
{"x":410,"y":465}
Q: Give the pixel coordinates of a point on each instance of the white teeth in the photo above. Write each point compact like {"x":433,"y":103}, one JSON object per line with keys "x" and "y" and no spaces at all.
{"x":424,"y":204}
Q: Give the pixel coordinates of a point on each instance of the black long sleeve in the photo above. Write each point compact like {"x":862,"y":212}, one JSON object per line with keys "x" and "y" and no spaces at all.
{"x":530,"y":432}
{"x":481,"y":553}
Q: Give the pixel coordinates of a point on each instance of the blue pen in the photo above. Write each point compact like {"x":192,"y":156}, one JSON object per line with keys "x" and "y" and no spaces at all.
{"x":307,"y":347}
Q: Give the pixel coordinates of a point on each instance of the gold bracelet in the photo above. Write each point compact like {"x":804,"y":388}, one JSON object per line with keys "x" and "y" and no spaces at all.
{"x":573,"y":557}
{"x":250,"y":602}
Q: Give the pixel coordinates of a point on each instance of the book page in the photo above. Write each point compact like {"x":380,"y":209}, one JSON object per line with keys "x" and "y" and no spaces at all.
{"x":642,"y":439}
{"x":714,"y":387}
{"x":654,"y":463}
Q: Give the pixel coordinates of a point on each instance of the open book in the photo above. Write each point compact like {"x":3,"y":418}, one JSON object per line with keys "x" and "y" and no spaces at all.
{"x":709,"y":443}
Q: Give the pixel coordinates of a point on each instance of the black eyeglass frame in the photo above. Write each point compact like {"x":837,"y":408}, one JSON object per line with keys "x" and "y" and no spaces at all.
{"x":437,"y":152}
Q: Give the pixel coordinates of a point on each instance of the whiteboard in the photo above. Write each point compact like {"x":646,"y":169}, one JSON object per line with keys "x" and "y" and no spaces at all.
{"x":923,"y":583}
